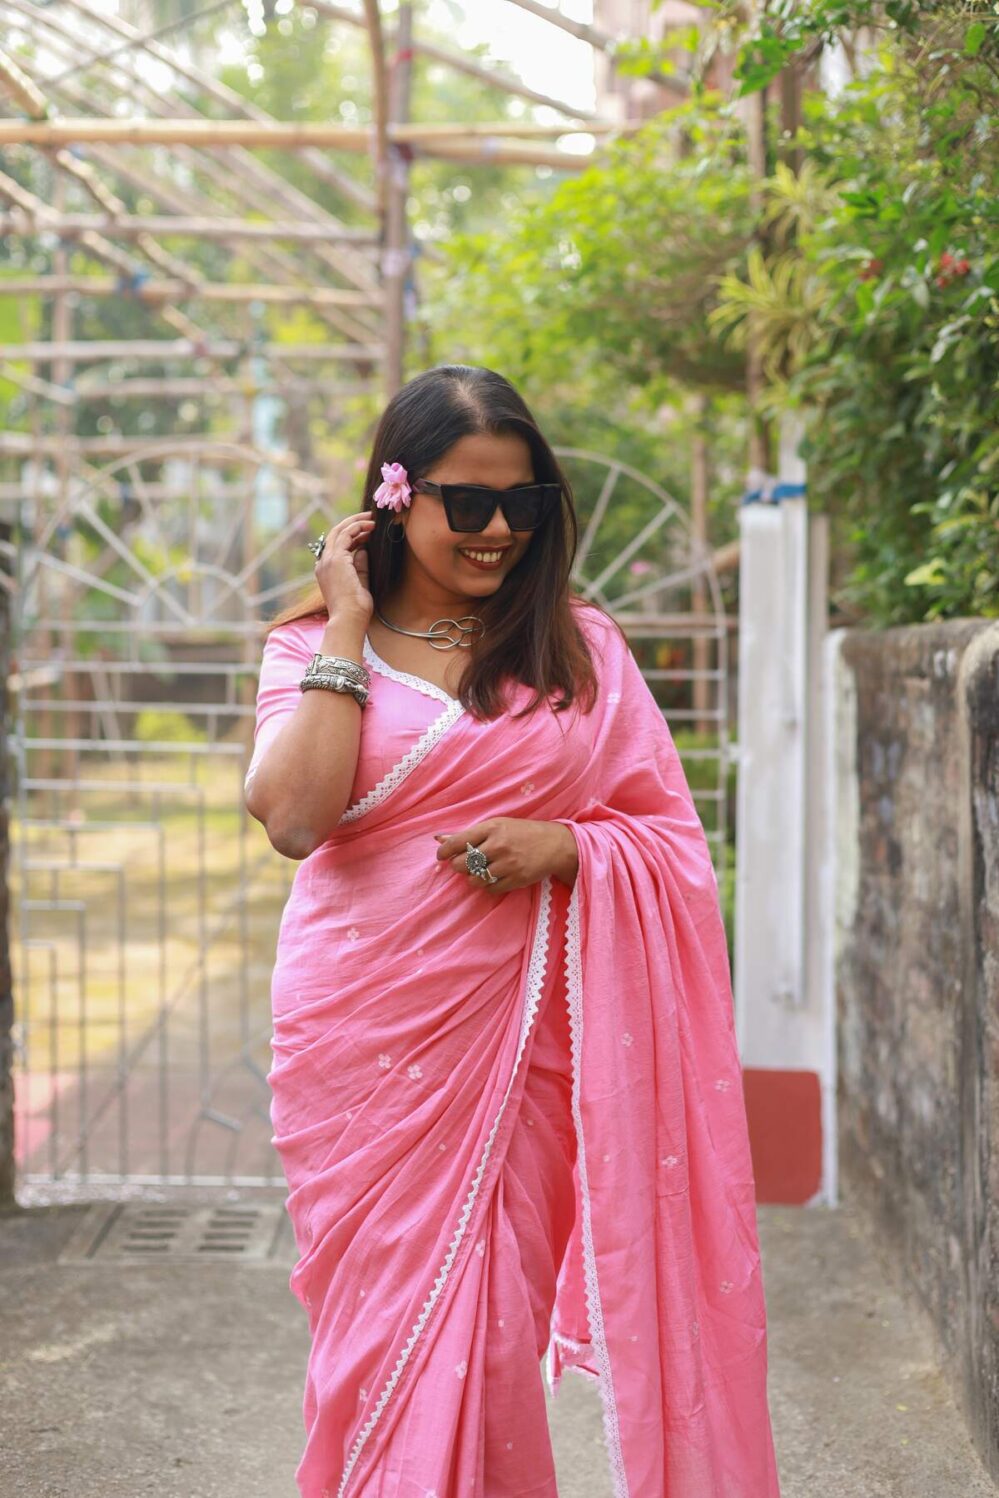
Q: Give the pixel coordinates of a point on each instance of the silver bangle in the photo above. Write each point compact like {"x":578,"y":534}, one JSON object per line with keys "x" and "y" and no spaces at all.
{"x":355,"y":670}
{"x":334,"y":681}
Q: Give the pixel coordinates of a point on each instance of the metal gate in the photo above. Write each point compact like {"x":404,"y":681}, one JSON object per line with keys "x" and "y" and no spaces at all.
{"x":145,"y":900}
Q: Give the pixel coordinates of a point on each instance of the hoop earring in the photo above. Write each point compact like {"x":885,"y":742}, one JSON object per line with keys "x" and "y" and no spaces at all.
{"x":395,"y":536}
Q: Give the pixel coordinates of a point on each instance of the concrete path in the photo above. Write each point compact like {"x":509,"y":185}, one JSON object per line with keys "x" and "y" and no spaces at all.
{"x":185,"y":1381}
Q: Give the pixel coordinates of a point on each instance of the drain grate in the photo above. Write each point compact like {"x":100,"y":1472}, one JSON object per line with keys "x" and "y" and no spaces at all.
{"x":130,"y":1232}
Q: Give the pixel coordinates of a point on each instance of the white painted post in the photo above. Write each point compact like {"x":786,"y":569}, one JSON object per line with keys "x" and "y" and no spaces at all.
{"x":780,"y":1000}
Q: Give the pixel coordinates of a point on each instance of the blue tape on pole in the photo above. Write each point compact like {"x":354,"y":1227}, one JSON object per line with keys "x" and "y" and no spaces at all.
{"x":130,"y":283}
{"x":774,"y":495}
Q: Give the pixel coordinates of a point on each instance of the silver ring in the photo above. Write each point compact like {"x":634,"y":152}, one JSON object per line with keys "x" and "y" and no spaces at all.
{"x":477,"y":864}
{"x":316,"y":547}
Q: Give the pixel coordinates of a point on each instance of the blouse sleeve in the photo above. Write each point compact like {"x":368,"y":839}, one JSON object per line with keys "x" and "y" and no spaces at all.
{"x":286,"y":653}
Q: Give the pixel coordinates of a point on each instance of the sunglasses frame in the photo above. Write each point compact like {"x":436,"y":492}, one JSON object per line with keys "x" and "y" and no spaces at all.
{"x":445,"y":492}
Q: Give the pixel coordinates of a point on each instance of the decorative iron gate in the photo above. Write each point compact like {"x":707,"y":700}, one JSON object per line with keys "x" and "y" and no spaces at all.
{"x":145,"y":900}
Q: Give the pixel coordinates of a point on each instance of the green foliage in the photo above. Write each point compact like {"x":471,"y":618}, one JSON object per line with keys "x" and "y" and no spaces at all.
{"x":870,"y":278}
{"x":161,"y":725}
{"x":879,"y":323}
{"x":616,"y":265}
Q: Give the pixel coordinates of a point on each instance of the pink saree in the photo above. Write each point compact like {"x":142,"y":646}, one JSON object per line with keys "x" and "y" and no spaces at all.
{"x":513,"y":1127}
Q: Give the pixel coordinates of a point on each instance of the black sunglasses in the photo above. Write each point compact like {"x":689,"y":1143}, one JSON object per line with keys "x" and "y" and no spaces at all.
{"x":470,"y":507}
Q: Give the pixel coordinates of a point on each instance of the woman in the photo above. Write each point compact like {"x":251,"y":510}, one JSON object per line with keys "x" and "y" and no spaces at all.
{"x":505,"y":1084}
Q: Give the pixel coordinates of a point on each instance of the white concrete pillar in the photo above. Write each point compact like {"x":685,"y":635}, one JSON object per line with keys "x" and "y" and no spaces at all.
{"x":781,"y":1004}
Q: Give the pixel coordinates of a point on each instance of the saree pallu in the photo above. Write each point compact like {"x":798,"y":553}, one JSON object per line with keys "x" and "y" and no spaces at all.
{"x":513,"y":1127}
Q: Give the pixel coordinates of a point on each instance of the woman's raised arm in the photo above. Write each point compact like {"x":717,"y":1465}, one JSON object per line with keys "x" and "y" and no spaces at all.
{"x":300,"y":778}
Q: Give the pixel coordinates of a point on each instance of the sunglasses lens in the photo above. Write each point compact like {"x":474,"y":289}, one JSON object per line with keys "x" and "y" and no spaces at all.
{"x":472,"y":510}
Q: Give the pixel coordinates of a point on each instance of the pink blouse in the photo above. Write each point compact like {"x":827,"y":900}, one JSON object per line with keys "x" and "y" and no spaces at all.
{"x":405,"y":716}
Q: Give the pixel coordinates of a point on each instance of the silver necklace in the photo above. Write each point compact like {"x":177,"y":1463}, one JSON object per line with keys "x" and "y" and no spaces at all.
{"x":439,"y":633}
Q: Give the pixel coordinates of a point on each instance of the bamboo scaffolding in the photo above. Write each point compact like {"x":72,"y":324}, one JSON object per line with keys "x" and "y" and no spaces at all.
{"x":16,"y":81}
{"x":273,"y":263}
{"x":143,"y":39}
{"x":245,"y":167}
{"x":267,"y":259}
{"x":102,"y":249}
{"x":324,"y":169}
{"x":271,"y":186}
{"x":69,"y":225}
{"x":230,"y":195}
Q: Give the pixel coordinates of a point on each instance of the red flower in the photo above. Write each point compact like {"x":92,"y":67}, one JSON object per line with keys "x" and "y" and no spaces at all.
{"x":949,"y":266}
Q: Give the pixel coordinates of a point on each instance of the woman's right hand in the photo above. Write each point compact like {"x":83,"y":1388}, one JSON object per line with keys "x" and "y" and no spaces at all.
{"x":342,"y":570}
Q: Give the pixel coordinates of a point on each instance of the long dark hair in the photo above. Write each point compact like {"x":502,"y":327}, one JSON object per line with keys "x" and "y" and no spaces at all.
{"x":531,"y":634}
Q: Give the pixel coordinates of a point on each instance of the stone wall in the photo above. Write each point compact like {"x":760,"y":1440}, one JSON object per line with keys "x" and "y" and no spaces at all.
{"x":917,"y":974}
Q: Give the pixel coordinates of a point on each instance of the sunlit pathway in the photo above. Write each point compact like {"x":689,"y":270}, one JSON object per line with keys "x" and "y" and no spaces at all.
{"x":186,"y":1382}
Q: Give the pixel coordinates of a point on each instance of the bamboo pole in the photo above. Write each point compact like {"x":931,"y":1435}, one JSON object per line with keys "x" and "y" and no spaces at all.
{"x":760,"y":441}
{"x":155,"y":291}
{"x":21,"y":88}
{"x":377,"y":140}
{"x":181,"y":388}
{"x":165,"y":350}
{"x":280,"y":135}
{"x":491,"y":152}
{"x":699,"y":602}
{"x":515,"y":129}
{"x":129,"y":226}
{"x":34,"y":386}
{"x":15,"y":492}
{"x":197,"y":130}
{"x":397,"y":258}
{"x":116,"y":444}
{"x":62,"y":332}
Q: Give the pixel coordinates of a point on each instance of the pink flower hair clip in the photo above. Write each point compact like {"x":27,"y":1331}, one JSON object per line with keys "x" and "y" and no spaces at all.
{"x":395,"y":491}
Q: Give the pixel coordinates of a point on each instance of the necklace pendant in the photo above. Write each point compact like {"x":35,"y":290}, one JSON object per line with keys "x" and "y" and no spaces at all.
{"x":470,"y":627}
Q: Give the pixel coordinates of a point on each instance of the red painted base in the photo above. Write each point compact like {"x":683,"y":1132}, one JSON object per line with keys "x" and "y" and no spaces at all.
{"x":784,"y":1111}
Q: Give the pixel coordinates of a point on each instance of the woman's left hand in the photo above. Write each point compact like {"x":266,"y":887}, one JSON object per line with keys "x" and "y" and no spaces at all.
{"x":519,"y":851}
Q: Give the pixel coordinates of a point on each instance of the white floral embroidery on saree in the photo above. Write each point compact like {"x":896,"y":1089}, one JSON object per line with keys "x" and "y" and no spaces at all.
{"x":532,"y":997}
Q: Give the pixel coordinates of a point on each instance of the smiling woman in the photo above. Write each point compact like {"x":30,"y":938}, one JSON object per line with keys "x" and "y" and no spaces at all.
{"x":505,"y":1085}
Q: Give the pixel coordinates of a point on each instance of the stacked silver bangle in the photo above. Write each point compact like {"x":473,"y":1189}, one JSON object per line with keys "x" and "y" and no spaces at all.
{"x":337,"y":673}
